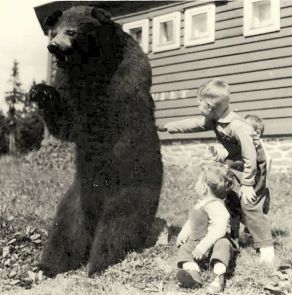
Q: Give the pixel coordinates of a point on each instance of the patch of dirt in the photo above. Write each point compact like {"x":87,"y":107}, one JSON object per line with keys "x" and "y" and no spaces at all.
{"x":20,"y":250}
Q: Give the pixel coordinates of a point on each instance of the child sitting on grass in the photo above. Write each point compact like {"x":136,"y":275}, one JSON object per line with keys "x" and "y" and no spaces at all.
{"x":206,"y":234}
{"x":242,"y":144}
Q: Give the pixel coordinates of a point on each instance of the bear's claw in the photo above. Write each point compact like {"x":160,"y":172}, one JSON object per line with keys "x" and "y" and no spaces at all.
{"x":41,"y":93}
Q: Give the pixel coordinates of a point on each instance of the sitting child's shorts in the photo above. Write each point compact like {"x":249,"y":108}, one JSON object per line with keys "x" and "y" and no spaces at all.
{"x":222,"y":251}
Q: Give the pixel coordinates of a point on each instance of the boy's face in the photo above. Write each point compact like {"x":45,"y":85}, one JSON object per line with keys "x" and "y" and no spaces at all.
{"x":205,"y":107}
{"x":258,"y":131}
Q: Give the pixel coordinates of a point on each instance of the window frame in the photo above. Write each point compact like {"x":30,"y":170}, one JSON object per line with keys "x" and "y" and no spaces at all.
{"x":144,"y":24}
{"x":210,"y":10}
{"x":247,"y":15}
{"x":157,"y":20}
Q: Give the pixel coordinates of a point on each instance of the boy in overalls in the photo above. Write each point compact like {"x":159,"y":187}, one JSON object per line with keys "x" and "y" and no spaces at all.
{"x":206,"y":234}
{"x":243,"y":144}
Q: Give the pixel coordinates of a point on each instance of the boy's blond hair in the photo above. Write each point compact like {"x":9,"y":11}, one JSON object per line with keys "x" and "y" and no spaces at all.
{"x":218,"y":178}
{"x":256,"y":123}
{"x":216,"y":91}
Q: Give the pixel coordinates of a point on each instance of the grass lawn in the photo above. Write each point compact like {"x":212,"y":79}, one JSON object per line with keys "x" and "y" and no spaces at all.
{"x":29,"y":195}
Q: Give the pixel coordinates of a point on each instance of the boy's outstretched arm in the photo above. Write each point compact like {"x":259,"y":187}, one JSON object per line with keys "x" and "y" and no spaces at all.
{"x":197,"y":124}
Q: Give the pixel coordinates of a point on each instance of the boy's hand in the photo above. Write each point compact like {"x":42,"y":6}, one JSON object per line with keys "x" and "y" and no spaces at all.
{"x":182,"y":238}
{"x":197,"y":254}
{"x":219,"y":154}
{"x":161,"y":128}
{"x":248,"y":194}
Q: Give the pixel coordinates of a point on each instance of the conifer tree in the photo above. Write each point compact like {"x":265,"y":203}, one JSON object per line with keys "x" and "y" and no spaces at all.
{"x":13,"y":98}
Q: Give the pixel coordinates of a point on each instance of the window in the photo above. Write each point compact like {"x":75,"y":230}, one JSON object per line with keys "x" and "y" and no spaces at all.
{"x":166,"y":32}
{"x":261,"y":16}
{"x":139,"y":30}
{"x":199,"y":25}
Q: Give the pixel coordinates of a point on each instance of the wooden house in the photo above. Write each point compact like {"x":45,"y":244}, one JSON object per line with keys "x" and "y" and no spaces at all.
{"x":247,"y":43}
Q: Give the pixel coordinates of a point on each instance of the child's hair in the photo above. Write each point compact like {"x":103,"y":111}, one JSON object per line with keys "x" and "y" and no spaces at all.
{"x":218,"y":178}
{"x":256,"y":122}
{"x":216,"y":90}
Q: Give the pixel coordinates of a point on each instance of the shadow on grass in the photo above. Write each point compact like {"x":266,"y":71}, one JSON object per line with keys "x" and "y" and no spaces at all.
{"x":278,"y":232}
{"x":173,"y":231}
{"x":245,"y":241}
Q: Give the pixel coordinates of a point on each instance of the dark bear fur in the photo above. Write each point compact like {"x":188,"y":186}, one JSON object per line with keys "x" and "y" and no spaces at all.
{"x":100,"y":99}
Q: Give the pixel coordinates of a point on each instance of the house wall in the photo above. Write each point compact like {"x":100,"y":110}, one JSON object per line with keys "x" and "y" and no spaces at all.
{"x":193,"y":153}
{"x":258,"y":69}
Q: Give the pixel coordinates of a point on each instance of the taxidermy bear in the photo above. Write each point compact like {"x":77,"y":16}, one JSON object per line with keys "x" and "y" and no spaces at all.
{"x":100,"y":100}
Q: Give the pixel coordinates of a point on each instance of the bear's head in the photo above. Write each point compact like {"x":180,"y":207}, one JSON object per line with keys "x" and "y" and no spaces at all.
{"x":77,"y":33}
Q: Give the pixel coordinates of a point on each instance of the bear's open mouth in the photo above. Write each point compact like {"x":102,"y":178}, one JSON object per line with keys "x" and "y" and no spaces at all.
{"x":61,"y":57}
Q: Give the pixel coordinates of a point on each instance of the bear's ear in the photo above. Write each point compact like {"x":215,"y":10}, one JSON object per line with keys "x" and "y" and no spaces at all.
{"x":101,"y":15}
{"x":51,"y":20}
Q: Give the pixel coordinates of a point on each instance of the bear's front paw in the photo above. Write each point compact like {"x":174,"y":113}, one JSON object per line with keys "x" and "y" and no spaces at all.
{"x":42,"y":93}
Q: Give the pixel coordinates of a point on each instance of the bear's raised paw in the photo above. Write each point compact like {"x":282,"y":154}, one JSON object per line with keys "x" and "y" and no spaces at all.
{"x":42,"y":93}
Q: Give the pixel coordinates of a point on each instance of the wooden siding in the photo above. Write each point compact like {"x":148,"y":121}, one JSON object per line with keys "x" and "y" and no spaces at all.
{"x":258,"y":69}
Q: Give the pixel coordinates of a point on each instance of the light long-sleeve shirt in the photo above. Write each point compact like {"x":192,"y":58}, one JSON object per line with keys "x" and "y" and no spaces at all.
{"x":236,"y":135}
{"x":218,"y":223}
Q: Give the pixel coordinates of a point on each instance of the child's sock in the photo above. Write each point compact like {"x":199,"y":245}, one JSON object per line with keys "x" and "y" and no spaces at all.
{"x":267,"y":254}
{"x":219,"y":268}
{"x":191,"y":266}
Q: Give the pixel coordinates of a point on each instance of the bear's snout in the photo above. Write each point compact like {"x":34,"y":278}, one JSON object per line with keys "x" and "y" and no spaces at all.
{"x":53,"y":47}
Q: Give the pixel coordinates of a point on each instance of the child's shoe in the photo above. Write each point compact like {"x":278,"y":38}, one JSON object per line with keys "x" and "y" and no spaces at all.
{"x":217,"y":285}
{"x":267,"y":255}
{"x":189,"y":279}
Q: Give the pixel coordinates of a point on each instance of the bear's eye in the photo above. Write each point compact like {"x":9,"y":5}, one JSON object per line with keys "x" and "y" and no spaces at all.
{"x":53,"y":34}
{"x":71,"y":32}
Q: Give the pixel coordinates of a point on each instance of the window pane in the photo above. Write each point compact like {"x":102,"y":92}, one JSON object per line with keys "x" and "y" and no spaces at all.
{"x":136,"y":33}
{"x":166,"y":35}
{"x":199,"y":26}
{"x":261,"y":14}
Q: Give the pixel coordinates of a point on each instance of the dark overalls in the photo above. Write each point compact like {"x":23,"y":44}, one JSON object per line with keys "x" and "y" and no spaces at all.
{"x":221,"y":251}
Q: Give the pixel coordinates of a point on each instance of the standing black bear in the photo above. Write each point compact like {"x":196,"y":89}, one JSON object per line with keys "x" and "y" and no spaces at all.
{"x":100,"y":100}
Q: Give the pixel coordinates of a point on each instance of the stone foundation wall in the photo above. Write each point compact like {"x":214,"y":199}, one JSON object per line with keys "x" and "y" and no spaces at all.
{"x":194,"y":152}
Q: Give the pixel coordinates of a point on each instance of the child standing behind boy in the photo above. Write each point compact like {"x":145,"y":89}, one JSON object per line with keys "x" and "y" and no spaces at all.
{"x":258,"y":125}
{"x":242,"y":143}
{"x":206,"y":234}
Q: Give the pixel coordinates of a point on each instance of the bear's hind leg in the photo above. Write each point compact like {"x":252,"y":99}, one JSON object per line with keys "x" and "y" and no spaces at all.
{"x":123,"y":227}
{"x":69,"y":240}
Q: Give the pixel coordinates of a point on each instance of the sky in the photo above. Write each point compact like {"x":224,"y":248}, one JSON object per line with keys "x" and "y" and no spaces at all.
{"x":23,"y":40}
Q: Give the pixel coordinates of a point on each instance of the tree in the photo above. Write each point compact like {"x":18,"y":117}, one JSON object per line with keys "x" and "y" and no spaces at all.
{"x":26,"y":127}
{"x":3,"y":134}
{"x":13,"y":98}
